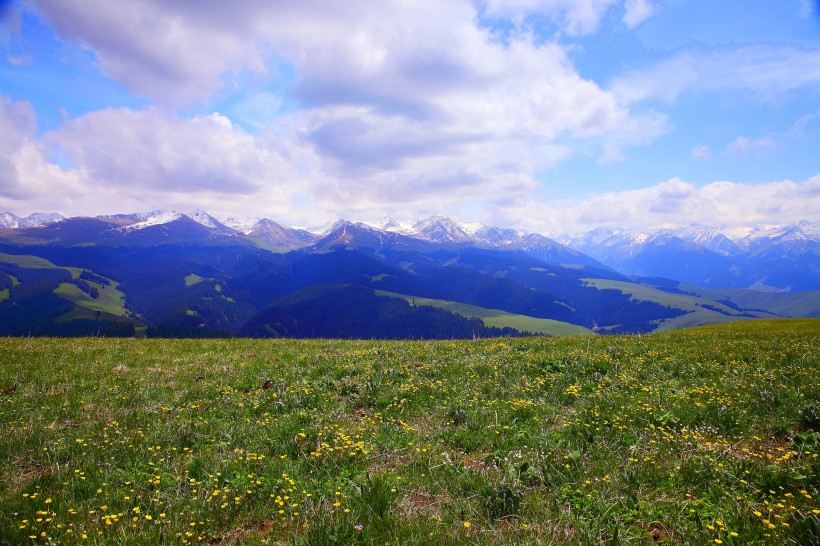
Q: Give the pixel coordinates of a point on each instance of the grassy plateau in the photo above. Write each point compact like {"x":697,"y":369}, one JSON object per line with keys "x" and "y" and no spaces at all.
{"x":702,"y":436}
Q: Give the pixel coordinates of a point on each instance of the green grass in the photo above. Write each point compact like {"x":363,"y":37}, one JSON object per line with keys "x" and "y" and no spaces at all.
{"x":110,"y":303}
{"x":701,"y":436}
{"x":110,"y":300}
{"x":696,"y":314}
{"x":697,"y":317}
{"x":193,"y":279}
{"x":27,"y":261}
{"x":497,"y":318}
{"x":800,"y":304}
{"x":640,"y":292}
{"x":35,"y":262}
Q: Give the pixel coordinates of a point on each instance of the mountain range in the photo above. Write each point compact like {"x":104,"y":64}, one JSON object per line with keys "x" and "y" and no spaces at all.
{"x":190,"y":273}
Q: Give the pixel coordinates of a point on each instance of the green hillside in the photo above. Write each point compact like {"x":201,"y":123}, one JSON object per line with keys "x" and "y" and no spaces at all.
{"x":700,"y":309}
{"x":787,"y":304}
{"x":111,"y":301}
{"x":498,"y":319}
{"x":703,"y":436}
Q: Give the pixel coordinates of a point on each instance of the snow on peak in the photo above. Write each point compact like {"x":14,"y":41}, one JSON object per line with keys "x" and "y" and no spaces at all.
{"x":155,"y":219}
{"x":244,"y":225}
{"x":201,"y":217}
{"x":40,"y":218}
{"x":160,"y":217}
{"x":389,"y":224}
{"x":12,"y":221}
{"x":440,"y":229}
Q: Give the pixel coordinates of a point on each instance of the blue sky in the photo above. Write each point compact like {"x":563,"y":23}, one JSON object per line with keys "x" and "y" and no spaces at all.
{"x":546,"y":115}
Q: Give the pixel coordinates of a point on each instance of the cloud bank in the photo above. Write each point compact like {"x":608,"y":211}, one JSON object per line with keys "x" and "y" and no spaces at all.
{"x":676,"y":203}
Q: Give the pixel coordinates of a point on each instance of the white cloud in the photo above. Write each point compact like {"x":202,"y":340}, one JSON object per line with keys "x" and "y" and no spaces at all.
{"x":640,"y":11}
{"x":675,"y":203}
{"x":398,"y":102}
{"x":701,"y":152}
{"x":25,"y":171}
{"x":156,"y":157}
{"x":765,"y":71}
{"x":738,"y":147}
{"x":154,"y":49}
{"x":575,"y":17}
{"x":743,"y":146}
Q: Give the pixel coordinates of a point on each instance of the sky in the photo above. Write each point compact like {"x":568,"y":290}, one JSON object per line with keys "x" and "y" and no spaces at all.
{"x":552,"y":116}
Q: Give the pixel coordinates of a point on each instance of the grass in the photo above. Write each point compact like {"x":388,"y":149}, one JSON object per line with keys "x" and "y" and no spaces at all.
{"x":27,"y":261}
{"x":193,"y":279}
{"x":110,"y":301}
{"x":701,"y":436}
{"x":35,"y":262}
{"x":696,"y":313}
{"x":640,"y":292}
{"x":801,"y":304}
{"x":497,"y":318}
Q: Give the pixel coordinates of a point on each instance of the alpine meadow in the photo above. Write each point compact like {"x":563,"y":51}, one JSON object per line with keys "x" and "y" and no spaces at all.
{"x":699,"y":436}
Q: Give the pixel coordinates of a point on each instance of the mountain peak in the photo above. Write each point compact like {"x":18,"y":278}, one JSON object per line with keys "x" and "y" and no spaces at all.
{"x":40,"y":218}
{"x":441,"y":229}
{"x":12,"y":221}
{"x":387,"y":224}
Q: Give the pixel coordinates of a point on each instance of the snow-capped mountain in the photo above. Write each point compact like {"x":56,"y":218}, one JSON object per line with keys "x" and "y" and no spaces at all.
{"x":765,"y":257}
{"x":278,"y":237}
{"x":40,"y":218}
{"x":158,"y":217}
{"x":389,"y":224}
{"x":243,"y":225}
{"x":12,"y":221}
{"x":440,"y":229}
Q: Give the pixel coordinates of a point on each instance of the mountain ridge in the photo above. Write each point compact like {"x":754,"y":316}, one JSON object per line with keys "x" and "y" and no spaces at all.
{"x":764,"y":257}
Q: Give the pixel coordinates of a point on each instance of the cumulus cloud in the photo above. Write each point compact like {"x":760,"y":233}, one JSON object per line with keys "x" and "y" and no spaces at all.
{"x":25,"y":169}
{"x":765,"y":71}
{"x":640,"y":11}
{"x":676,"y":203}
{"x":743,"y":146}
{"x":391,"y":98}
{"x":155,"y":51}
{"x":701,"y":152}
{"x":157,"y":157}
{"x":575,"y":17}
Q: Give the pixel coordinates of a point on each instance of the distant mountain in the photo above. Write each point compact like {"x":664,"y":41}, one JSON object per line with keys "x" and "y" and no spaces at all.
{"x":12,"y":221}
{"x":273,"y":236}
{"x":40,"y":218}
{"x":189,"y":273}
{"x":784,"y":258}
{"x":439,"y":229}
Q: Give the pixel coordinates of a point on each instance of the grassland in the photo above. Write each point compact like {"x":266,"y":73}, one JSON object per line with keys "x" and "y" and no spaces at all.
{"x":497,"y":318}
{"x":702,"y":436}
{"x":699,"y":310}
{"x":793,"y":304}
{"x":110,"y":303}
